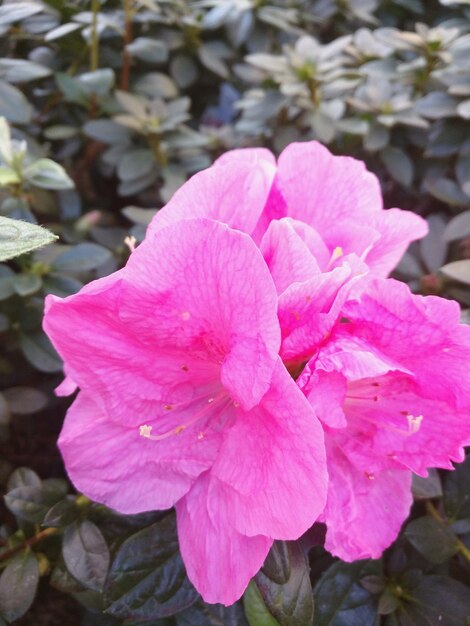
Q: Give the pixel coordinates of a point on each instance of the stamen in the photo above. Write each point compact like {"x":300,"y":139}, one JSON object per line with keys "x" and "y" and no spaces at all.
{"x":146,"y":431}
{"x":337,"y":253}
{"x":414,"y":423}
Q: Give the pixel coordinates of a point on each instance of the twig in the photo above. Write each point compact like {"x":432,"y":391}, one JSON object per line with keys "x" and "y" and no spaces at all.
{"x":28,"y":543}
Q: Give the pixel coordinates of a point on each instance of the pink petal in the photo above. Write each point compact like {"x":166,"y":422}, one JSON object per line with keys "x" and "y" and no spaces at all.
{"x":422,"y":334}
{"x":363,"y":513}
{"x":203,"y":287}
{"x":401,"y":427}
{"x":397,"y":230}
{"x":251,"y":155}
{"x":234,"y":192}
{"x":324,"y":190}
{"x":289,"y":259}
{"x":308,"y":311}
{"x":113,"y":465}
{"x":130,"y":379}
{"x":220,"y":561}
{"x":278,"y":486}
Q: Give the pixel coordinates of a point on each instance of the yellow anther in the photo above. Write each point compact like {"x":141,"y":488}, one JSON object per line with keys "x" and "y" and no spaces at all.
{"x":145,"y":431}
{"x":414,"y":423}
{"x":337,"y":253}
{"x":168,"y":407}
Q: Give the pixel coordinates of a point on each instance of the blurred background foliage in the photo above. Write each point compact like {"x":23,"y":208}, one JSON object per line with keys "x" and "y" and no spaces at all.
{"x":108,"y":106}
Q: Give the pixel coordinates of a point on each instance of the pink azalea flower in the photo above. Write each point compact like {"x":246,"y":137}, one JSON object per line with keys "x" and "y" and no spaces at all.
{"x":184,"y":400}
{"x":392,"y":389}
{"x":335,"y":196}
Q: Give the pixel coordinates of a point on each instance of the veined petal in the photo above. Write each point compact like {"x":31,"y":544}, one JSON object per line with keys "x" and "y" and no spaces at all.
{"x":278,"y":486}
{"x":233,"y":192}
{"x":364,"y":513}
{"x":219,"y":560}
{"x":324,"y":190}
{"x":113,"y":465}
{"x":205,"y":288}
{"x":397,"y":230}
{"x":288,"y":257}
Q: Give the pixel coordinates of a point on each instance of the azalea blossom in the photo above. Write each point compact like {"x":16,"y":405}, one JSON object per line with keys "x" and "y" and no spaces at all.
{"x":335,"y":196}
{"x":392,"y":389}
{"x":184,"y":401}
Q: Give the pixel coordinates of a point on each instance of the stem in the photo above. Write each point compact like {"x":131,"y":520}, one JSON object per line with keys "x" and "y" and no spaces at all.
{"x":126,"y":57}
{"x":433,"y":512}
{"x":43,"y":534}
{"x":154,"y":143}
{"x":94,"y":44}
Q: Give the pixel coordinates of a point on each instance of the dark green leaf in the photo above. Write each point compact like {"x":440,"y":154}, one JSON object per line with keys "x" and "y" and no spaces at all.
{"x":86,"y":554}
{"x":284,"y":584}
{"x":27,"y":284}
{"x":341,"y":599}
{"x":23,"y":477}
{"x":31,"y":504}
{"x":13,"y":104}
{"x":147,"y":578}
{"x":61,"y":514}
{"x":18,"y":584}
{"x":39,"y":351}
{"x":212,"y":615}
{"x":457,"y":491}
{"x":80,"y":258}
{"x":25,"y":400}
{"x":436,"y":601}
{"x":255,"y":608}
{"x":429,"y":487}
{"x":433,"y":539}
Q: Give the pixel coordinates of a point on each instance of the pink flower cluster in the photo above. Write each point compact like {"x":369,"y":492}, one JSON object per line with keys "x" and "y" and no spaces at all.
{"x":252,"y":366}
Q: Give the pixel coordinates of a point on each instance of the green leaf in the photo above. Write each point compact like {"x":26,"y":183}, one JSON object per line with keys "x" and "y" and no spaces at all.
{"x":456,"y":490}
{"x":86,"y":554}
{"x":27,"y":284}
{"x":149,"y":50}
{"x":31,"y":503}
{"x":48,"y":174}
{"x":135,"y":164}
{"x":284,"y":585}
{"x":80,"y":258}
{"x":212,"y":615}
{"x":16,"y":11}
{"x":256,"y":611}
{"x":433,"y":539}
{"x":458,"y":227}
{"x":13,"y":104}
{"x":341,"y":600}
{"x":8,"y":176}
{"x":17,"y":237}
{"x":430,"y":487}
{"x":18,"y":584}
{"x":61,"y":514}
{"x":61,"y":285}
{"x":107,"y":131}
{"x":399,"y":165}
{"x":40,"y":352}
{"x":147,"y":579}
{"x":436,"y":601}
{"x":25,"y":400}
{"x":138,"y":215}
{"x":23,"y":477}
